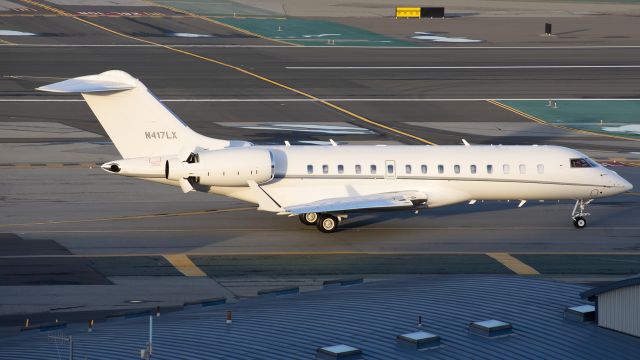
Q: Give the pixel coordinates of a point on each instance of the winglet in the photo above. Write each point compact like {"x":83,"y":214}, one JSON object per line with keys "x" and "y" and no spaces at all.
{"x":465,"y":142}
{"x":265,"y":201}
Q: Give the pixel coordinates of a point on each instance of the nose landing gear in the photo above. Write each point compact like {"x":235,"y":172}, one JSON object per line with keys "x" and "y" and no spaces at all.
{"x":579,"y":212}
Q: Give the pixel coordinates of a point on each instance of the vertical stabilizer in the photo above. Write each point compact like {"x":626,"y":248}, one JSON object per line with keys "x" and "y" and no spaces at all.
{"x":135,"y":120}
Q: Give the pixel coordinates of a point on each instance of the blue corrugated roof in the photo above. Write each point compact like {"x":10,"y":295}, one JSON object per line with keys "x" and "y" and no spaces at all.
{"x":591,"y":293}
{"x":367,"y":316}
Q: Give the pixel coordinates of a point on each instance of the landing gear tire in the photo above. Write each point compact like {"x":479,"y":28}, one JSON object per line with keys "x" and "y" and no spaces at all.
{"x":327,"y":223}
{"x":579,"y":222}
{"x":309,"y":218}
{"x":579,"y":212}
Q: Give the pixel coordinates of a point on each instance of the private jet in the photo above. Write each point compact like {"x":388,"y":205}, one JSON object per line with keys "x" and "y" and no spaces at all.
{"x":322,"y":185}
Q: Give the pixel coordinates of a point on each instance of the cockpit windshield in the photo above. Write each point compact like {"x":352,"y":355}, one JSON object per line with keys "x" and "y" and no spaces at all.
{"x":583,"y":163}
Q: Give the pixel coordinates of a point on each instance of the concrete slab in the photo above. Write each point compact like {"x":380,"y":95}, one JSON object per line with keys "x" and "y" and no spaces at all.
{"x":41,"y":130}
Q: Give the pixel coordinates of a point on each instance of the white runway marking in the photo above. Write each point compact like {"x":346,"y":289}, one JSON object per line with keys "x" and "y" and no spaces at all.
{"x":497,"y":67}
{"x":439,"y":38}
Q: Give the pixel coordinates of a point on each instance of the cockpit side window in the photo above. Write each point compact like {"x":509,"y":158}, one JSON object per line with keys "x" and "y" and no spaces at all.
{"x":581,"y":163}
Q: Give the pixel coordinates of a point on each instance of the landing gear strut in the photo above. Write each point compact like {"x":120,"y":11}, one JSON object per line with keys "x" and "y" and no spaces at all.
{"x":309,"y":218}
{"x":579,"y":212}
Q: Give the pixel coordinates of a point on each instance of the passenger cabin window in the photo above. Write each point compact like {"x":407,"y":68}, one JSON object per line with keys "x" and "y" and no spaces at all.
{"x":506,"y":168}
{"x":373,"y":169}
{"x":309,"y":169}
{"x":440,"y":169}
{"x":423,"y":168}
{"x":540,"y":169}
{"x":522,"y":168}
{"x":581,"y":163}
{"x":389,"y":169}
{"x":456,"y":169}
{"x":358,"y":169}
{"x":325,"y":169}
{"x":407,"y":169}
{"x":489,"y":169}
{"x":340,"y":169}
{"x":473,"y":169}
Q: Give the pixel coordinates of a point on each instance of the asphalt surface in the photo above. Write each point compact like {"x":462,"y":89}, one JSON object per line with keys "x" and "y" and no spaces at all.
{"x":66,"y":224}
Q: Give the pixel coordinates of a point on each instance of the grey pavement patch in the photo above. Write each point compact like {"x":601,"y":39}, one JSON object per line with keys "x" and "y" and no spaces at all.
{"x":63,"y":152}
{"x":12,"y":244}
{"x":274,"y":265}
{"x":49,"y":271}
{"x":155,"y":291}
{"x":488,"y":128}
{"x":133,"y":266}
{"x":583,"y":264}
{"x":41,"y":130}
{"x":332,"y":128}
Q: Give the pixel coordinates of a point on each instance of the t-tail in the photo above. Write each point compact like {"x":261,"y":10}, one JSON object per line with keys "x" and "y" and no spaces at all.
{"x":153,"y":142}
{"x":137,"y":123}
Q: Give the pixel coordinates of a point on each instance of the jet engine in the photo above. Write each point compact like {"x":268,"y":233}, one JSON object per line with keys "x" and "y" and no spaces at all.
{"x":225,"y":167}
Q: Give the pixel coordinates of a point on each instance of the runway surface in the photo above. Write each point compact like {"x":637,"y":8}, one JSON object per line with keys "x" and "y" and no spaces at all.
{"x":64,"y":222}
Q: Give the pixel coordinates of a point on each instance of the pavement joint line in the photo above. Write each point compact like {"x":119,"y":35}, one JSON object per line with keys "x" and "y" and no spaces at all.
{"x":239,"y":69}
{"x":513,"y":264}
{"x":542,"y":122}
{"x":183,"y":264}
{"x":346,"y":46}
{"x":334,"y":99}
{"x":134,"y":217}
{"x":322,"y":253}
{"x":219,"y":23}
{"x":498,"y":67}
{"x":280,"y":229}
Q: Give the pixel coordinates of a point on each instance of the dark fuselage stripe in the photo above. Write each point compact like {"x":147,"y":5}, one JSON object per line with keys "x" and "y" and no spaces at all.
{"x":381,"y":177}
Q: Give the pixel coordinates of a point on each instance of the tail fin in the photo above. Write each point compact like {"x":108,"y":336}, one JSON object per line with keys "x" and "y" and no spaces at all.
{"x":135,"y":120}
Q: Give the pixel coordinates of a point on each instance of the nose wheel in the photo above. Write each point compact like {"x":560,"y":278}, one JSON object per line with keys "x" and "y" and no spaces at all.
{"x":579,"y":213}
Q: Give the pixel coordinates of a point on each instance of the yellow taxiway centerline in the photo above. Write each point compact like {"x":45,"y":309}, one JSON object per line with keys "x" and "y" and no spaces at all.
{"x":183,"y":264}
{"x":239,"y":69}
{"x":513,"y":264}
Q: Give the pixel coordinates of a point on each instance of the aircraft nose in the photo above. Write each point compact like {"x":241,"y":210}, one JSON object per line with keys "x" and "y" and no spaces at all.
{"x":627,"y":186}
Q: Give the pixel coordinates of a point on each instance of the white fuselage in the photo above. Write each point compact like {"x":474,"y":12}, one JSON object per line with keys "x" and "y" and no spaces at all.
{"x":447,"y":174}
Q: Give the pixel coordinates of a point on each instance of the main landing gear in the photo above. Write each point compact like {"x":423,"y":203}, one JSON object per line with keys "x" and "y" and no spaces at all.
{"x":326,"y":223}
{"x":579,"y":212}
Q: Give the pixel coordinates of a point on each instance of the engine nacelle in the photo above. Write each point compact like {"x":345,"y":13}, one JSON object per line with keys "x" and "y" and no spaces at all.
{"x":225,"y":167}
{"x":146,"y":167}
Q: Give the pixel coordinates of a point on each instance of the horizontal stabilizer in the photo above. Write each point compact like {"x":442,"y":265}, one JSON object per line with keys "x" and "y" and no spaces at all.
{"x":107,"y":81}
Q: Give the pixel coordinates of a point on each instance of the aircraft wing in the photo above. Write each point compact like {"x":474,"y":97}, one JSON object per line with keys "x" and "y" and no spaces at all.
{"x":390,"y":200}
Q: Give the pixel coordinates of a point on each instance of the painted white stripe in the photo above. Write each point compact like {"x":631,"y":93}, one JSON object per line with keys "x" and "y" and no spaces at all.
{"x":452,"y":47}
{"x":498,"y":67}
{"x":345,"y":100}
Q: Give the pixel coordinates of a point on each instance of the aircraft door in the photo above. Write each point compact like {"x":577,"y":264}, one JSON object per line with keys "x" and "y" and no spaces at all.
{"x":390,"y":169}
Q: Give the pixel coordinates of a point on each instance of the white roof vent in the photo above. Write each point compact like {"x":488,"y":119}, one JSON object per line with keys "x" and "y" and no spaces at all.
{"x":339,"y":352}
{"x":420,"y":339}
{"x":491,"y":328}
{"x":582,"y":313}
